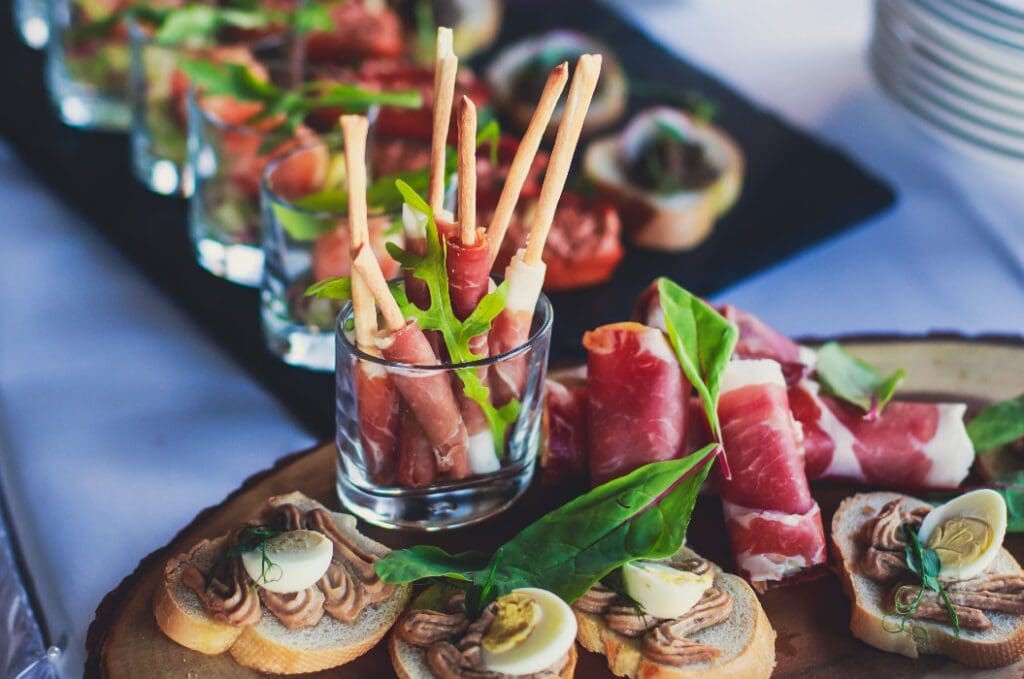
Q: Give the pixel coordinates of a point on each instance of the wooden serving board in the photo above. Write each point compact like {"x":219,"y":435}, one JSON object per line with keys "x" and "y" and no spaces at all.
{"x":810,"y":618}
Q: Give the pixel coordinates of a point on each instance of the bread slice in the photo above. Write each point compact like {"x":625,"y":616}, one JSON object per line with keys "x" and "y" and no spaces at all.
{"x":999,"y":646}
{"x":410,"y":662}
{"x":747,"y":640}
{"x":268,"y":646}
{"x":675,"y":221}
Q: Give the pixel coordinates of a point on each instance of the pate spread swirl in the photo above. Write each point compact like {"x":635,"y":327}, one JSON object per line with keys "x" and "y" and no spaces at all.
{"x":453,"y":642}
{"x":665,"y":641}
{"x":346,"y":589}
{"x":883,"y":560}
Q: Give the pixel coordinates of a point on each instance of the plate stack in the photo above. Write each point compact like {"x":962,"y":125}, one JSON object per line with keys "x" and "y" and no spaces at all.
{"x":958,"y":67}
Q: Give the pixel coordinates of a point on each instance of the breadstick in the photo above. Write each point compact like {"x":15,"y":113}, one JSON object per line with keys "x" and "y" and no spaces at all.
{"x":523,"y":159}
{"x":354,"y":130}
{"x":366,"y":265}
{"x":467,"y":172}
{"x":584,"y":81}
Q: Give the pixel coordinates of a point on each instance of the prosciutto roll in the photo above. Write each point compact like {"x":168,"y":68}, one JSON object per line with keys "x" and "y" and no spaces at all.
{"x":378,"y":404}
{"x":637,"y":398}
{"x":910,"y":445}
{"x":511,"y":328}
{"x":468,"y":282}
{"x":773,"y":522}
{"x":417,"y":467}
{"x":430,"y":398}
{"x":564,"y":450}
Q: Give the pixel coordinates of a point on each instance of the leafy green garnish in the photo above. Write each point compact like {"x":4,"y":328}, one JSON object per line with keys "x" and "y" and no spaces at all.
{"x":439,"y":316}
{"x":924,"y":562}
{"x":332,"y":288}
{"x":703,"y":341}
{"x":250,"y":539}
{"x":997,"y":425}
{"x":291,"y":105}
{"x":200,"y":23}
{"x":854,"y":381}
{"x":642,"y":515}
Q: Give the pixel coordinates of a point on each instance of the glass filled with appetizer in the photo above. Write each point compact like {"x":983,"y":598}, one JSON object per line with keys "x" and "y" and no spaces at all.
{"x":164,"y":45}
{"x":242,"y":116}
{"x":307,"y":236}
{"x":88,"y":62}
{"x":440,"y":373}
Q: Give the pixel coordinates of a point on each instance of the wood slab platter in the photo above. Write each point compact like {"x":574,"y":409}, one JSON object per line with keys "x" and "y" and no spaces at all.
{"x":810,"y":618}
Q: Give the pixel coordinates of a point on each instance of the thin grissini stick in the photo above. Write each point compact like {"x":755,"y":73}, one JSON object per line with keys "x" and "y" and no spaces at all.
{"x":354,"y":130}
{"x":430,"y":395}
{"x":584,"y":82}
{"x":525,"y":273}
{"x":444,"y":95}
{"x":523,"y":159}
{"x":467,"y":172}
{"x":376,"y":396}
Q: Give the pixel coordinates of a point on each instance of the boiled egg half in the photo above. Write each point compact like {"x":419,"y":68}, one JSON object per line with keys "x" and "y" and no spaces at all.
{"x":664,"y":591}
{"x":290,"y":562}
{"x":533,"y":630}
{"x":967,"y":533}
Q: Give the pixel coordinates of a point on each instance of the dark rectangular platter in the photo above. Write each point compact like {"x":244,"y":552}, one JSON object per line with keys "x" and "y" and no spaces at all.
{"x":797,"y":192}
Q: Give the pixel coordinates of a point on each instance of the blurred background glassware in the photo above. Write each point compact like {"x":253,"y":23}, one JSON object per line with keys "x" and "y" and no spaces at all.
{"x":159,"y":90}
{"x":87,"y":63}
{"x":370,"y":490}
{"x":32,"y":18}
{"x":957,"y":66}
{"x":229,"y":146}
{"x":306,"y":239}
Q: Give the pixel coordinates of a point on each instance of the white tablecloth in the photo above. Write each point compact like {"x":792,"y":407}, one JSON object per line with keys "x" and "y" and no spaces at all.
{"x":122,"y":421}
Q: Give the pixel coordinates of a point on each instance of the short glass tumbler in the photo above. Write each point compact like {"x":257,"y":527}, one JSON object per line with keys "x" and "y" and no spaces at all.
{"x":32,"y":17}
{"x":382,"y":444}
{"x":227,"y":160}
{"x":306,"y":238}
{"x":87,"y":65}
{"x":158,"y":94}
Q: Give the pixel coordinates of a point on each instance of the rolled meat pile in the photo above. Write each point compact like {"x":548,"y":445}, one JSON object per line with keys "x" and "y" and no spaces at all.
{"x":773,"y":522}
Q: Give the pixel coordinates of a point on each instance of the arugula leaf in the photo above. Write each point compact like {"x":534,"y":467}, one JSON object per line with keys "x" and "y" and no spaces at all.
{"x":301,"y":225}
{"x":312,"y":16}
{"x":854,"y":381}
{"x":642,"y":515}
{"x":997,"y":425}
{"x":703,"y":341}
{"x":199,"y":23}
{"x":490,"y":134}
{"x":425,"y":561}
{"x":430,"y":268}
{"x":332,"y":288}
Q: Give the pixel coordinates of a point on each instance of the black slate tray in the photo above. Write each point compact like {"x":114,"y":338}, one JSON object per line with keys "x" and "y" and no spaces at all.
{"x":798,"y":191}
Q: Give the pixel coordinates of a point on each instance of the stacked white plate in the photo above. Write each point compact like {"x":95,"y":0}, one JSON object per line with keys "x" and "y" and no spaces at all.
{"x":958,"y":67}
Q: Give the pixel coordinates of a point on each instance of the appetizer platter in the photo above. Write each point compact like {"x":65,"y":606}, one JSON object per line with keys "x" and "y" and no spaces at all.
{"x":735,"y":187}
{"x":811,"y":619}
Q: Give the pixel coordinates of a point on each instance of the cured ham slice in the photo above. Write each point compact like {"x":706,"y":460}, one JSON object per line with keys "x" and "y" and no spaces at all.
{"x":417,"y":466}
{"x":430,"y":397}
{"x":511,"y":328}
{"x":911,"y":445}
{"x":378,"y":404}
{"x":773,"y":522}
{"x":637,"y":399}
{"x":759,"y":340}
{"x":564,"y":449}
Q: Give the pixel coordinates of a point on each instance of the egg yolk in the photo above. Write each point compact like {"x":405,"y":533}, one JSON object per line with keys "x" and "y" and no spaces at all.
{"x":515,"y":620}
{"x":960,"y":541}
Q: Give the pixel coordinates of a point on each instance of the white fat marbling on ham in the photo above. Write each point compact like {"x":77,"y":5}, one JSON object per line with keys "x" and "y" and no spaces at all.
{"x":482,"y":459}
{"x":414,"y":221}
{"x":844,"y":463}
{"x":744,"y":372}
{"x":950,"y":449}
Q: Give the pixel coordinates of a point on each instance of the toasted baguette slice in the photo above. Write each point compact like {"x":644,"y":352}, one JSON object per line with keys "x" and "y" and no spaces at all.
{"x":1002,"y":645}
{"x":747,"y":640}
{"x":676,"y":221}
{"x":269,"y":646}
{"x":410,"y":662}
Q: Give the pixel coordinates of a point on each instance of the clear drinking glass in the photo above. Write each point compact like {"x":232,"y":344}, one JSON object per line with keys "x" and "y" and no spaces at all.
{"x":368,"y":482}
{"x":32,"y":17}
{"x":306,"y":239}
{"x":87,"y":64}
{"x":227,"y":157}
